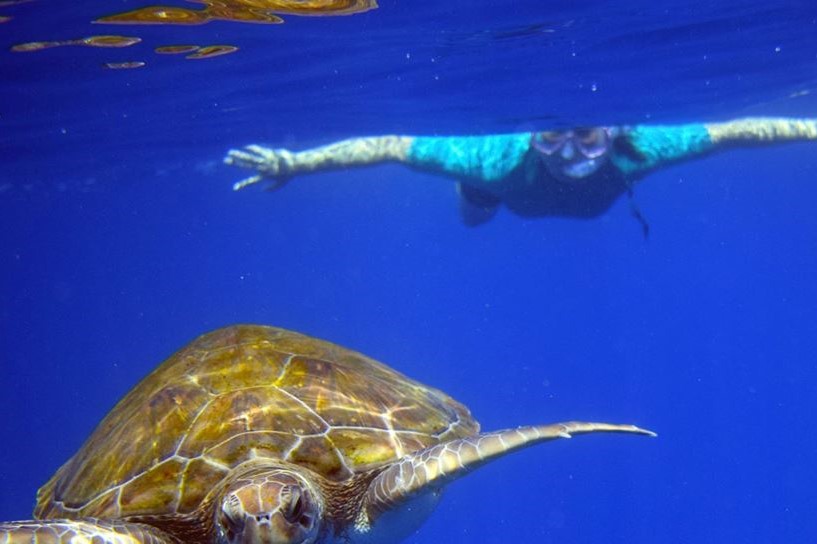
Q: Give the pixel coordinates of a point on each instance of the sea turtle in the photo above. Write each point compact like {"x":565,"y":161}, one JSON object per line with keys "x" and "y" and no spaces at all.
{"x":254,"y":434}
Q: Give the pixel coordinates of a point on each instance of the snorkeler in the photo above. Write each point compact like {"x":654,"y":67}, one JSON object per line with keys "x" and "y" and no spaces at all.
{"x":573,"y":173}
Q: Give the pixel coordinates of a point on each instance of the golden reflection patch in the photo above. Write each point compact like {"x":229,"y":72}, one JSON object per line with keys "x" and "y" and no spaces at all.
{"x":245,"y":11}
{"x":175,"y":49}
{"x":195,"y":51}
{"x":90,"y":41}
{"x":212,"y":51}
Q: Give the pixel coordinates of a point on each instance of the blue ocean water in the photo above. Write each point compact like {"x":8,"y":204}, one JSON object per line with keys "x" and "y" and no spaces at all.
{"x":121,"y":241}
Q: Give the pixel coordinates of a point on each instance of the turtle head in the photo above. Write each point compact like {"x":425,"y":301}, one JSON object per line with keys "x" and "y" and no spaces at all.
{"x":274,"y":506}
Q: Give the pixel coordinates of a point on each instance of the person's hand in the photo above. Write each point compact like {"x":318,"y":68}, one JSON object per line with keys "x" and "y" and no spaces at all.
{"x":274,"y":165}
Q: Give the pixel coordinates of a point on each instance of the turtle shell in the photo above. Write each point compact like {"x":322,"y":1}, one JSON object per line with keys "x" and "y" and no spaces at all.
{"x":240,"y":393}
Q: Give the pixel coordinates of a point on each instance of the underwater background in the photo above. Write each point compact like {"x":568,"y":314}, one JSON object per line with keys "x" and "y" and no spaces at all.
{"x":121,"y":240}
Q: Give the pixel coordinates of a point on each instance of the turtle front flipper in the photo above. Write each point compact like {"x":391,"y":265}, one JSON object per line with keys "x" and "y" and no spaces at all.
{"x":436,"y":466}
{"x":64,"y":531}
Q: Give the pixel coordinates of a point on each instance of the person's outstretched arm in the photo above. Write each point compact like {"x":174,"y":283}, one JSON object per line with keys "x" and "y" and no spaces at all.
{"x":761,"y":130}
{"x":478,"y":160}
{"x":642,"y":148}
{"x":278,"y":165}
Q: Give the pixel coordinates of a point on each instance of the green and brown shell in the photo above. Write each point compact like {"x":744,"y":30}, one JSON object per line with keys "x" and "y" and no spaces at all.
{"x":240,"y":393}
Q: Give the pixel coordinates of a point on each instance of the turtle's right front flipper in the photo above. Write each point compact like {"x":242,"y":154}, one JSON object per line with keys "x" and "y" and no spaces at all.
{"x":64,"y":531}
{"x":436,"y":466}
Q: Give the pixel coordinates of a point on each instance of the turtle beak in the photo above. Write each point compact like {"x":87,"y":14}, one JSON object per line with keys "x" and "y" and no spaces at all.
{"x":266,"y":529}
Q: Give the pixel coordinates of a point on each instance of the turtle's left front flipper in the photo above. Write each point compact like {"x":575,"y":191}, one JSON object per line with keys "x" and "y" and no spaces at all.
{"x":63,"y":531}
{"x":438,"y":465}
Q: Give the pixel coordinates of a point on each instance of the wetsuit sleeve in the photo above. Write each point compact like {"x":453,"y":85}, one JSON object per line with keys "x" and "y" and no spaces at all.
{"x":644,"y":147}
{"x":480,"y":159}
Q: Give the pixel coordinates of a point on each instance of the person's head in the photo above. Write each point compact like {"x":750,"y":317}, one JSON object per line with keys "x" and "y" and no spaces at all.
{"x":573,"y":155}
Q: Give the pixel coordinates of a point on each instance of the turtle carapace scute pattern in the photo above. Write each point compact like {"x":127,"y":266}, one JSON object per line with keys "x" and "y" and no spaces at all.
{"x":254,"y":434}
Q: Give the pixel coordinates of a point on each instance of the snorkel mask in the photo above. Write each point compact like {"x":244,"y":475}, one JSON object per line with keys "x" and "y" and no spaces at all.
{"x":572,"y":155}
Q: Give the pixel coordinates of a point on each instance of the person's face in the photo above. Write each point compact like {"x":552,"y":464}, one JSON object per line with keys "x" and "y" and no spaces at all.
{"x":573,"y":155}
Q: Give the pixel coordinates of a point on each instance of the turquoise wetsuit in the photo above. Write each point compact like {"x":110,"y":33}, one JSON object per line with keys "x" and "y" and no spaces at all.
{"x":490,"y":159}
{"x":504,"y":168}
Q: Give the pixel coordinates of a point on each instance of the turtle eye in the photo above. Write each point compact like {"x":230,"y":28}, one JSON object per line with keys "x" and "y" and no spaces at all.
{"x":293,"y":508}
{"x":232,"y":516}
